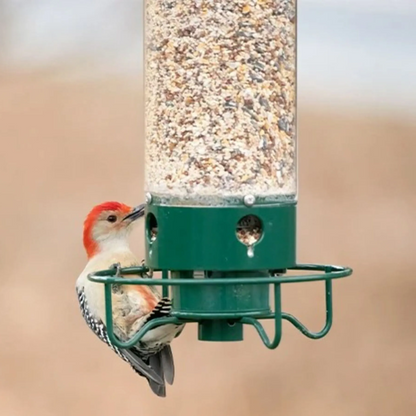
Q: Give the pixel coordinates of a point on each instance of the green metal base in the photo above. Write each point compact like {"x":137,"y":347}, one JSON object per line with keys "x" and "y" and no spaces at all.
{"x":232,"y":301}
{"x":225,"y":301}
{"x":184,"y":239}
{"x":223,"y":321}
{"x":204,"y":238}
{"x":220,"y":330}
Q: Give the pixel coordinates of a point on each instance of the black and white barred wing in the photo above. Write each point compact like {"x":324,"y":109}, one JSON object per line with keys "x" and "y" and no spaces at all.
{"x":128,"y":355}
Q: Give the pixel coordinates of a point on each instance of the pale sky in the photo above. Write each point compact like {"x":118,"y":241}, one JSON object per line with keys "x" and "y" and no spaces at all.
{"x":350,"y":51}
{"x":383,"y":6}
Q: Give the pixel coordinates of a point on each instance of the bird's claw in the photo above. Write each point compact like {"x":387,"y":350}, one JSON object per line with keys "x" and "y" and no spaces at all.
{"x":146,"y":271}
{"x":117,"y":266}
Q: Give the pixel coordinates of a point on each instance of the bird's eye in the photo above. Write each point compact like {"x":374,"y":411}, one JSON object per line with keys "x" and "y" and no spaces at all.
{"x":111,"y":218}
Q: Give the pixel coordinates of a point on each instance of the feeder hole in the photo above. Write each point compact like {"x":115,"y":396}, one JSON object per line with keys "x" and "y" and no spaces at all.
{"x":249,"y":230}
{"x":151,"y":227}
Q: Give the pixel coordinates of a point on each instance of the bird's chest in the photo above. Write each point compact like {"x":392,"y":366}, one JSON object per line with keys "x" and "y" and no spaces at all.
{"x":128,"y":307}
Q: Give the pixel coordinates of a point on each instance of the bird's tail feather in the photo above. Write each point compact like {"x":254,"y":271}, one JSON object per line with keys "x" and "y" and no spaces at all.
{"x":141,"y":367}
{"x":161,"y":363}
{"x":158,"y":389}
{"x":167,"y":363}
{"x":156,"y":363}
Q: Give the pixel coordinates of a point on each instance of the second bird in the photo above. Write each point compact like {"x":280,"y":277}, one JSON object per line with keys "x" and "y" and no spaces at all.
{"x":106,"y":231}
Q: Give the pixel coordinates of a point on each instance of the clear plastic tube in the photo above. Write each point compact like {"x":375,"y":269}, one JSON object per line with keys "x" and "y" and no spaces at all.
{"x":220,"y":78}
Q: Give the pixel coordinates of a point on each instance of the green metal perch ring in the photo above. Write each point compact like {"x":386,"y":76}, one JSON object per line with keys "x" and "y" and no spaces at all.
{"x":324,"y":272}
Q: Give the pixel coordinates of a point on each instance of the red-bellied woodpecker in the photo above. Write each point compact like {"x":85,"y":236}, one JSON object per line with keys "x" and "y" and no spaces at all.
{"x":106,"y":231}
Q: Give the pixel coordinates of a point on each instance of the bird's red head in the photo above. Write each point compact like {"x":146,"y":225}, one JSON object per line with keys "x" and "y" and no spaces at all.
{"x":107,"y":223}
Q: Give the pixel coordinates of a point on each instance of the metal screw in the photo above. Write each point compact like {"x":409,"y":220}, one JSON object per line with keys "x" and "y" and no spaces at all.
{"x":249,"y":200}
{"x":149,"y":198}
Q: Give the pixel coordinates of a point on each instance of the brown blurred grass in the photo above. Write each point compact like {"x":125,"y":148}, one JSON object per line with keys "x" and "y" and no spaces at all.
{"x":67,"y":146}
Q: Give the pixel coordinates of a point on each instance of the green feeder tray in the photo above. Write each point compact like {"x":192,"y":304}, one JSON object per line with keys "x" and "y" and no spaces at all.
{"x":226,"y":325}
{"x":215,"y":278}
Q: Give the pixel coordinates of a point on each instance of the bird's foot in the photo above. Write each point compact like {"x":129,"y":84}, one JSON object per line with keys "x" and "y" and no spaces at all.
{"x":147,"y":272}
{"x":117,"y":267}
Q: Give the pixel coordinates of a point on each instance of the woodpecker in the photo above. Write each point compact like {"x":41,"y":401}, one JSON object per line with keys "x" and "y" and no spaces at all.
{"x":106,"y":231}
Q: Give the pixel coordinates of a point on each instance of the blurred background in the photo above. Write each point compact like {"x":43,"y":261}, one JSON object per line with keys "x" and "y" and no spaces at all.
{"x":71,"y":135}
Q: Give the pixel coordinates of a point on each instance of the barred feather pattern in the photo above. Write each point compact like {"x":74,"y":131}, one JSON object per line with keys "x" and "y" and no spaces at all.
{"x":162,"y":309}
{"x":97,"y":326}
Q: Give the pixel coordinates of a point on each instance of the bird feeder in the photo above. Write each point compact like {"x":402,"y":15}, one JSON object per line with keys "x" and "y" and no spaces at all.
{"x":221,"y":171}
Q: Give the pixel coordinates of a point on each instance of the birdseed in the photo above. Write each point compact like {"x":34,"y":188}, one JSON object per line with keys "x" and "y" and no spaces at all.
{"x":221,"y":98}
{"x":249,"y":230}
{"x":153,"y":234}
{"x":249,"y":237}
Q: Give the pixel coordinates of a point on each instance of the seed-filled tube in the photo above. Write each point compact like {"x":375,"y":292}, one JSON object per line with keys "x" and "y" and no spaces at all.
{"x":220,"y":79}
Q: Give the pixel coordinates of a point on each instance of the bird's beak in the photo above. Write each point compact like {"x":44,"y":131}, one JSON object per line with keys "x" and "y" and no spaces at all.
{"x":135,"y":213}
